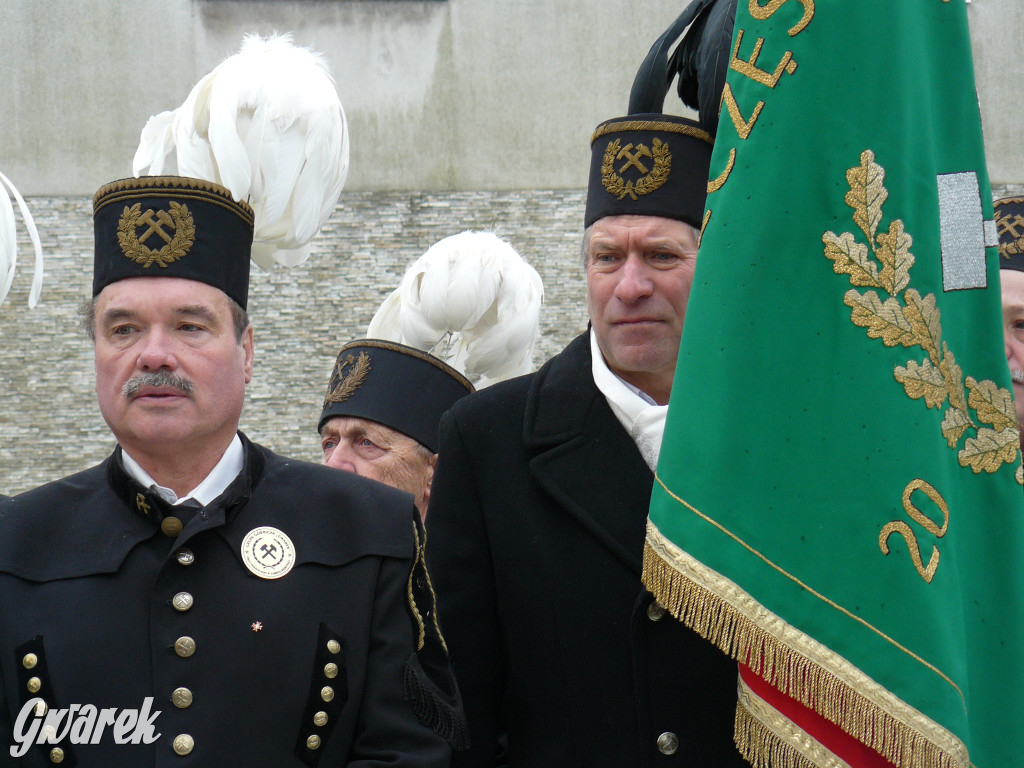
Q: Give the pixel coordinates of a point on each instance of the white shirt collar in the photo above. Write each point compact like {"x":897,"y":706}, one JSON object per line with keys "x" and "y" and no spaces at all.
{"x":641,"y":417}
{"x":220,"y":476}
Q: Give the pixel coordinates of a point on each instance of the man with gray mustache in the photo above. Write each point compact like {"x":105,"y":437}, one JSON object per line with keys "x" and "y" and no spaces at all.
{"x":158,"y":379}
{"x":243,"y":607}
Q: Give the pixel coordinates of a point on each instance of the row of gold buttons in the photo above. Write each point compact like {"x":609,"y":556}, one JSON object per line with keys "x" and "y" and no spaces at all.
{"x":184,"y":646}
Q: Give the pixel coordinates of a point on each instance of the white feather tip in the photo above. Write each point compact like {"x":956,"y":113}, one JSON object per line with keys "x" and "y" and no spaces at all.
{"x":9,"y":242}
{"x":267,"y":124}
{"x":470,"y":300}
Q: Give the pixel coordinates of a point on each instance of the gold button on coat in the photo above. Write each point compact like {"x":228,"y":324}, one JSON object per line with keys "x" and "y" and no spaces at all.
{"x":184,"y":646}
{"x":655,"y":611}
{"x":313,"y":741}
{"x":40,"y":709}
{"x":171,"y":526}
{"x":29,"y":660}
{"x":182,"y":601}
{"x":181,"y":698}
{"x":56,"y":755}
{"x":34,"y":684}
{"x":333,"y":646}
{"x":331,"y":670}
{"x":184,"y":556}
{"x":320,"y":719}
{"x":183,"y":744}
{"x":668,"y":743}
{"x":327,"y":693}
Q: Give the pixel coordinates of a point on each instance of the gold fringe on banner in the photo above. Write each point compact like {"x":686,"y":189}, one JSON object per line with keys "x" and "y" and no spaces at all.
{"x":796,"y":664}
{"x":768,"y":739}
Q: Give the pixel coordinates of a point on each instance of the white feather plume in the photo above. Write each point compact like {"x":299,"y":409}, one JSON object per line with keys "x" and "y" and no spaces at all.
{"x":471,"y":301}
{"x":9,"y":242}
{"x":267,"y":124}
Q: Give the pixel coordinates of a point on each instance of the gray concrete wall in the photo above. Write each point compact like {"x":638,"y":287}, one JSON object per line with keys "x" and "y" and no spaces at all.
{"x":450,"y":94}
{"x":440,"y":95}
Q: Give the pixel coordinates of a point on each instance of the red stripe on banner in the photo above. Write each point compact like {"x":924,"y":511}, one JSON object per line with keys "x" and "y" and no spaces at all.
{"x":827,"y":733}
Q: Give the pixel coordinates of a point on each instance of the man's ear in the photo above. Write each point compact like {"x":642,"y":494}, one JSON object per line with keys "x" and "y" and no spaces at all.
{"x":431,"y":466}
{"x":249,"y":346}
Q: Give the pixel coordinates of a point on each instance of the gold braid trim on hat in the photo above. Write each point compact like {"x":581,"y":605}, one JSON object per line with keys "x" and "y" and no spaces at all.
{"x":178,"y":187}
{"x":724,"y":614}
{"x":419,"y":354}
{"x":652,"y":125}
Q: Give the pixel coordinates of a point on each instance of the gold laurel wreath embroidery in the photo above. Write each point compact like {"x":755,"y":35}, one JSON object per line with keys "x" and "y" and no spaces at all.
{"x":349,"y":382}
{"x":184,"y":236}
{"x":914,"y":322}
{"x":1010,"y":224}
{"x":648,"y":182}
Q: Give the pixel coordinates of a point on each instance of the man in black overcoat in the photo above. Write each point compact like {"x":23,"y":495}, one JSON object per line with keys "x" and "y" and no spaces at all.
{"x":539,"y":505}
{"x":196,"y":599}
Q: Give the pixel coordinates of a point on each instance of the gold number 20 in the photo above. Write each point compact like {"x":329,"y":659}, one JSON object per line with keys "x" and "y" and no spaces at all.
{"x":904,"y":530}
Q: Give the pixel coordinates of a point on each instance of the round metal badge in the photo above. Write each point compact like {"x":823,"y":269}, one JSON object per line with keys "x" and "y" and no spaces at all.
{"x":268,"y":552}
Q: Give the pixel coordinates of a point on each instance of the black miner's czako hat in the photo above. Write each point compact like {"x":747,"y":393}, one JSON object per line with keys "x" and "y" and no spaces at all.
{"x":172,"y":226}
{"x":656,"y":164}
{"x":394,"y":385}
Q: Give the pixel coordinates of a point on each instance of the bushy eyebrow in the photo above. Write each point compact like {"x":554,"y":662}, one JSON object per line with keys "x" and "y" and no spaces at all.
{"x":196,"y":311}
{"x":112,"y":316}
{"x":655,"y":244}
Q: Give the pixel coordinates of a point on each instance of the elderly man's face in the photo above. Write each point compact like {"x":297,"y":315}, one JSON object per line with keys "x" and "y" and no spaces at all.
{"x":1011,"y":283}
{"x":639,"y":274}
{"x":372,"y":450}
{"x":170,"y":370}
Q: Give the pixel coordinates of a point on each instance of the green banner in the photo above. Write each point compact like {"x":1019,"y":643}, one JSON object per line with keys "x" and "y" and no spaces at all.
{"x":838,"y":500}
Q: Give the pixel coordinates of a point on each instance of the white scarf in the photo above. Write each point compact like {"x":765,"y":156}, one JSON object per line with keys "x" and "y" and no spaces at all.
{"x":642,"y":418}
{"x":220,"y":476}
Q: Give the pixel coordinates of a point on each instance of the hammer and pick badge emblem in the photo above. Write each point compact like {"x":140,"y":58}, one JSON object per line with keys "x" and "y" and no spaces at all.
{"x":346,"y":382}
{"x":635,"y":160}
{"x":268,"y":552}
{"x":1012,"y":225}
{"x":172,"y":232}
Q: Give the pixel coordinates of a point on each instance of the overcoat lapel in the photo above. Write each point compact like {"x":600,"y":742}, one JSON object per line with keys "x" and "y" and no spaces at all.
{"x":584,"y":458}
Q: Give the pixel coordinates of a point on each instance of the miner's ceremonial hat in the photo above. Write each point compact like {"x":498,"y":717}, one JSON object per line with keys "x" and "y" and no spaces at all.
{"x":649,"y":164}
{"x":1009,"y":213}
{"x":172,"y":226}
{"x":394,"y":385}
{"x":656,"y":164}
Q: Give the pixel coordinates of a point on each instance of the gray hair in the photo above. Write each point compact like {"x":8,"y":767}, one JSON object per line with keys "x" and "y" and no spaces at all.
{"x":87,"y":317}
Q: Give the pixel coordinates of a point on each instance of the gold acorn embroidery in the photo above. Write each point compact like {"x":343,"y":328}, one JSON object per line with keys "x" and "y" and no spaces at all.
{"x":650,"y":180}
{"x":347,"y":383}
{"x":178,"y":219}
{"x":982,"y":410}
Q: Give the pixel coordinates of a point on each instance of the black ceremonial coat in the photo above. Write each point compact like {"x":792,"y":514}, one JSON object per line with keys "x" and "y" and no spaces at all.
{"x":93,"y":611}
{"x":536,"y":529}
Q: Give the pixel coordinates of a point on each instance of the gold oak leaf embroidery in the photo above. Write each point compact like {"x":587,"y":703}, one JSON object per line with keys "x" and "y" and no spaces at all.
{"x":883,"y":319}
{"x":851,"y":258}
{"x":989,"y":450}
{"x":894,"y":253}
{"x":993,"y":404}
{"x":905,"y":318}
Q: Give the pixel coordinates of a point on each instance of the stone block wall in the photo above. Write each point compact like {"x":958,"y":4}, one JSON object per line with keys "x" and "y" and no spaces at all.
{"x":49,"y":423}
